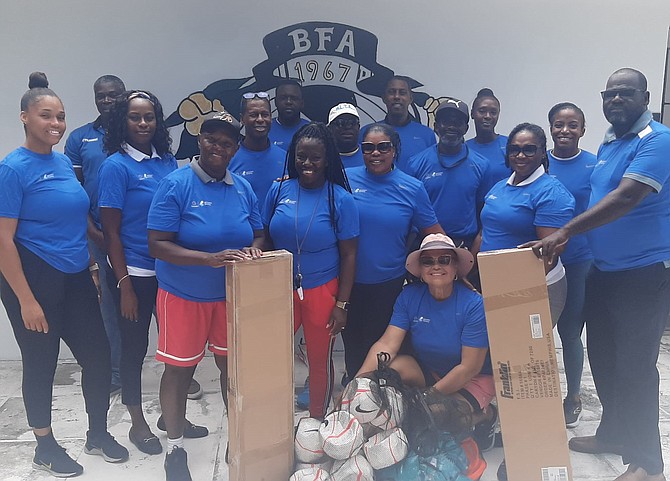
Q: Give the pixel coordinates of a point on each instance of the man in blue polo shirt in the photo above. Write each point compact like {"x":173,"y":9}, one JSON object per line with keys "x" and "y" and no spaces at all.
{"x":84,"y":148}
{"x":289,"y":103}
{"x":452,"y":173}
{"x":257,"y":160}
{"x":414,"y":136}
{"x":344,"y":123}
{"x":628,"y":288}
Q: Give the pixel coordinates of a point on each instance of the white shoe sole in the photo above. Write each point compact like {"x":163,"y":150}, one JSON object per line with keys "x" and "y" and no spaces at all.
{"x":56,"y":474}
{"x":100,"y":452}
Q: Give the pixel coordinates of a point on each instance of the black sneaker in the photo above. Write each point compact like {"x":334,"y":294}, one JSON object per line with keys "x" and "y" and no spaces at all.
{"x":502,"y":471}
{"x":194,"y":390}
{"x":106,"y":446}
{"x":176,"y":466}
{"x":573,"y":412}
{"x":484,"y":433}
{"x":55,"y":461}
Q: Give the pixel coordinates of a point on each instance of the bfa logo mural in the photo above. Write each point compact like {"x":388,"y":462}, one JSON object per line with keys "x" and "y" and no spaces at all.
{"x":334,"y":62}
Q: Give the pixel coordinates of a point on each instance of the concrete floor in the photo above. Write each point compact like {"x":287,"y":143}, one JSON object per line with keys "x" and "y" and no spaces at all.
{"x":206,"y":455}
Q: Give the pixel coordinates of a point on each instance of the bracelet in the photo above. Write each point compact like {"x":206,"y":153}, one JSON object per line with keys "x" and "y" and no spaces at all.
{"x":344,"y":305}
{"x":93,"y":267}
{"x":118,"y":284}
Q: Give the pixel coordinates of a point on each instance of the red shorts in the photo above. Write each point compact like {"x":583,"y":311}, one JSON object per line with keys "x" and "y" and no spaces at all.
{"x":185,"y":327}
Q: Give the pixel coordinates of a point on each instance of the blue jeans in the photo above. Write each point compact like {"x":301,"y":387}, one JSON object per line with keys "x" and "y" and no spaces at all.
{"x":626,"y":312}
{"x":109,"y":312}
{"x":571,"y":324}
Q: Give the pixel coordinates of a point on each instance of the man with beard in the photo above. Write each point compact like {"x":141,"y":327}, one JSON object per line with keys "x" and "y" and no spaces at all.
{"x":628,"y":288}
{"x":344,"y":123}
{"x":452,"y":174}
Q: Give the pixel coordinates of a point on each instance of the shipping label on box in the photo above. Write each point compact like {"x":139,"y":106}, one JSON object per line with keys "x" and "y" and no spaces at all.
{"x":525,"y":370}
{"x":259,"y":296}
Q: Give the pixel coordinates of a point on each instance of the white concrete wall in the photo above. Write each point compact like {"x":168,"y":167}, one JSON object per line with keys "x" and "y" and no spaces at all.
{"x":533,"y":54}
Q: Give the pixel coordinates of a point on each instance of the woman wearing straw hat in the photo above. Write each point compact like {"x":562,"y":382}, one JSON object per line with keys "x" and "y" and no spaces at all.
{"x":445,"y":318}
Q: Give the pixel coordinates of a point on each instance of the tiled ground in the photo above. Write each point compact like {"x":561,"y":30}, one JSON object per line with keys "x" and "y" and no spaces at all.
{"x":206,"y":455}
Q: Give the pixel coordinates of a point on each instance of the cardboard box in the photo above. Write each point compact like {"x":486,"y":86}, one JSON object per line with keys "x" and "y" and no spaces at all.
{"x":260,"y":368}
{"x":524,"y":366}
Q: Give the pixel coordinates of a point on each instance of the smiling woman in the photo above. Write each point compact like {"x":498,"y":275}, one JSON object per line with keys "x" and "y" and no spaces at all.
{"x":48,"y":281}
{"x":139,"y":146}
{"x":313,"y":215}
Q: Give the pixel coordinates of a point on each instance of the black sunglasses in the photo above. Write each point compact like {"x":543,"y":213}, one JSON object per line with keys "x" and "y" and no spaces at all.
{"x":527,"y":150}
{"x":345,"y":123}
{"x":624,"y":94}
{"x":427,"y":261}
{"x":383,"y":147}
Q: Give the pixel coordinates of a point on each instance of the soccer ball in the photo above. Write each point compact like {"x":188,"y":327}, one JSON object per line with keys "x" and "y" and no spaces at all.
{"x":393,"y":416}
{"x":386,"y":449}
{"x":362,"y":399}
{"x":311,"y":474}
{"x":356,"y":468}
{"x":342,"y":435}
{"x":308,"y":443}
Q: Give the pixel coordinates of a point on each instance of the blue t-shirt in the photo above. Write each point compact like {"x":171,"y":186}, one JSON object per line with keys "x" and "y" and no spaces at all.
{"x":281,"y":135}
{"x":494,"y":152}
{"x":575,"y":174}
{"x":353,"y":160}
{"x":642,"y":236}
{"x":320,"y":258}
{"x":440,"y":329}
{"x":453,"y":183}
{"x":84,"y":148}
{"x":259,"y":168}
{"x":207,"y":217}
{"x":511,"y":212}
{"x":414,"y":137}
{"x":389,"y":206}
{"x":129,"y":185}
{"x":43,"y":194}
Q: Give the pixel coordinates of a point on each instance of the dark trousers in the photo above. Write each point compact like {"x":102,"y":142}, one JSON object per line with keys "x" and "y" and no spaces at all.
{"x":134,"y":335}
{"x":625,"y":313}
{"x":368,"y":318}
{"x":70,"y":305}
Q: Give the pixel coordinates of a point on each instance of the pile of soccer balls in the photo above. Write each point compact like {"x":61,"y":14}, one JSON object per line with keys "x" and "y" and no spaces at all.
{"x":350,"y":444}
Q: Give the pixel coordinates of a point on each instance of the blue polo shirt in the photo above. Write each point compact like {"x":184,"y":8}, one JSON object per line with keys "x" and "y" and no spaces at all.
{"x":440,"y":329}
{"x":642,"y":236}
{"x":43,"y":194}
{"x":207,"y":216}
{"x":389,"y":206}
{"x":310,"y":208}
{"x":575,"y":174}
{"x":259,"y":168}
{"x":281,"y":135}
{"x":129,"y":184}
{"x":453,"y":183}
{"x":414,"y":138}
{"x":84,"y":148}
{"x":352,"y":160}
{"x":512,"y":212}
{"x":494,"y":152}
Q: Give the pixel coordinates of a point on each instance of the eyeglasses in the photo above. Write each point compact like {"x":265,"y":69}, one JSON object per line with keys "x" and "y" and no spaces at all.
{"x":253,"y":95}
{"x":527,"y":150}
{"x":624,"y":94}
{"x":427,"y":261}
{"x":383,"y":147}
{"x":345,"y":123}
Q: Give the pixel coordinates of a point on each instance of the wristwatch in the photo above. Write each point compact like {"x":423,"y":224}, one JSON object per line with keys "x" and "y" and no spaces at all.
{"x":344,"y":305}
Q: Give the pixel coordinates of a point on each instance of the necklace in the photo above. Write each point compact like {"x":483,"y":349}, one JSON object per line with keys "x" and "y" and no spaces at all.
{"x":299,"y":243}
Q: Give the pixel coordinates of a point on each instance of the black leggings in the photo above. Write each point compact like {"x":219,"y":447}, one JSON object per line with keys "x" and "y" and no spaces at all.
{"x":70,"y":305}
{"x":134,"y":335}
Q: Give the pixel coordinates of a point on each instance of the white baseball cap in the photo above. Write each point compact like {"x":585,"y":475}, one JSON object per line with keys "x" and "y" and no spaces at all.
{"x":341,"y":109}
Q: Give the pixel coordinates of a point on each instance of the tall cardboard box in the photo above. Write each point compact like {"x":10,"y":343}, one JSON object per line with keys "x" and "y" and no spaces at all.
{"x":259,"y":297}
{"x":524,"y":366}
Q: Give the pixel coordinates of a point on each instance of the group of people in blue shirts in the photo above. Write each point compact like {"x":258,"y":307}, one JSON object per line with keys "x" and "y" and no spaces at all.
{"x":384,"y":223}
